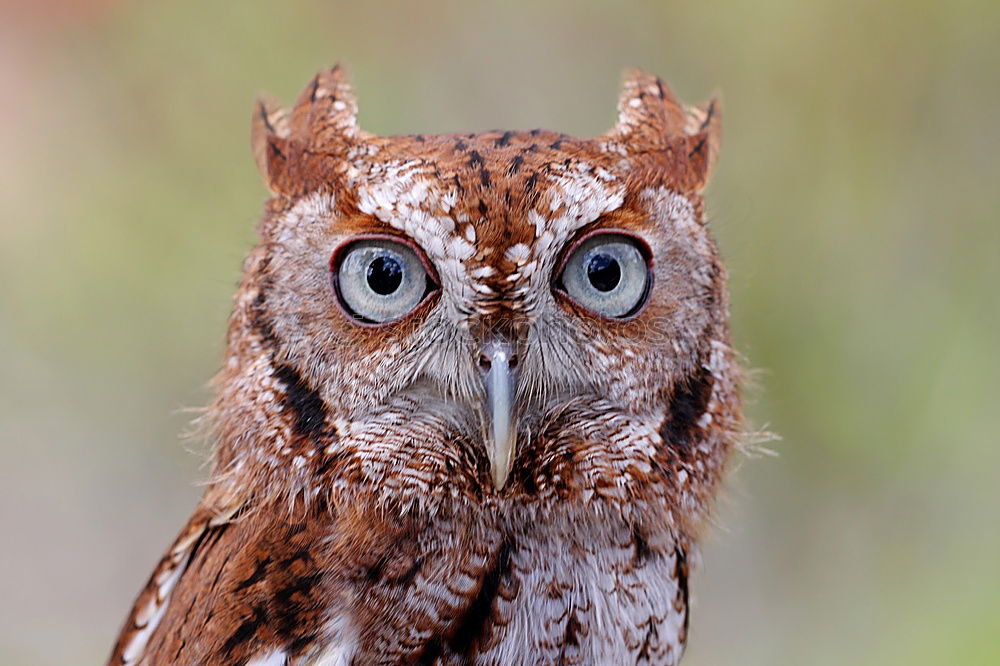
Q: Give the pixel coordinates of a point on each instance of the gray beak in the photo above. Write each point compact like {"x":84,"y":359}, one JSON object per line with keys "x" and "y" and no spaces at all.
{"x":498,"y":362}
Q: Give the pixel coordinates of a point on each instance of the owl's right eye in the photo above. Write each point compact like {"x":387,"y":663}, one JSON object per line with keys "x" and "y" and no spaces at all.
{"x":378,"y":280}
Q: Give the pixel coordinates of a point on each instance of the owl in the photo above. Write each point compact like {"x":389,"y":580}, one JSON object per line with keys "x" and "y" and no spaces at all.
{"x":477,"y":398}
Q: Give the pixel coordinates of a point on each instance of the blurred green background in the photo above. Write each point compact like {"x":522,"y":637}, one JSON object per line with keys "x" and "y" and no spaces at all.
{"x":856,"y":201}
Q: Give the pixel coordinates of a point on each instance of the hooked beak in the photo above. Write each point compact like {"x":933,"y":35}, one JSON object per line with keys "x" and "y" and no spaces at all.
{"x":498,"y":362}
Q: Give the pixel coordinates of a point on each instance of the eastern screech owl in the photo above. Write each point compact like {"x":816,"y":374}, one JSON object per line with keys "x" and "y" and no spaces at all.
{"x":477,"y":398}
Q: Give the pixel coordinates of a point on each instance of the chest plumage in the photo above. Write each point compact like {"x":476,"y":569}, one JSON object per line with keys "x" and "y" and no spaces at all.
{"x":477,"y":397}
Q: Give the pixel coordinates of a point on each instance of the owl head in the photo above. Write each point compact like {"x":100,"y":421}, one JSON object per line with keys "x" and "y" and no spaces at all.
{"x":492,"y":318}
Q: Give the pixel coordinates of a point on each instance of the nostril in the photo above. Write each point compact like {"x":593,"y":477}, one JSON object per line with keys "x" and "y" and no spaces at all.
{"x":497,"y":355}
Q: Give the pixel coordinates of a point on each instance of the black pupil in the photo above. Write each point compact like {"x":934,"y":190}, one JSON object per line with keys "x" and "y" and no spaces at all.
{"x":604,"y":272}
{"x":384,"y":275}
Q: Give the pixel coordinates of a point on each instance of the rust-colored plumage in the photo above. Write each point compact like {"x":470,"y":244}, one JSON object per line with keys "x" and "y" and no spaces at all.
{"x":508,"y":467}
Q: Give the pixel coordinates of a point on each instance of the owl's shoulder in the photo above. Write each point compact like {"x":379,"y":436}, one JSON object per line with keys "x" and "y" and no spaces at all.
{"x":277,"y":587}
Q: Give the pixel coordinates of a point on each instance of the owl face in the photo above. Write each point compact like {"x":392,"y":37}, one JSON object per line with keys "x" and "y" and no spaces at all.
{"x":494,"y":315}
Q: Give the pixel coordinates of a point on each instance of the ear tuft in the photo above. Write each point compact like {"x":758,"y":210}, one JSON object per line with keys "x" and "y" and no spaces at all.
{"x":287,"y":144}
{"x":652,"y":121}
{"x":704,"y":137}
{"x":327,"y":110}
{"x":269,"y":130}
{"x":646,"y":106}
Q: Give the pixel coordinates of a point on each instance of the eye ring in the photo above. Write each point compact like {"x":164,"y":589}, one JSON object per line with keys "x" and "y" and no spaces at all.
{"x":635,"y":250}
{"x":342,"y":253}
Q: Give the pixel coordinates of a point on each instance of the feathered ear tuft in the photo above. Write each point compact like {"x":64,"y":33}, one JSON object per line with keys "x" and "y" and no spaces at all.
{"x":647,"y":108}
{"x":651,"y":120}
{"x":322,"y":121}
{"x":269,"y":132}
{"x":704,"y":137}
{"x":327,"y":111}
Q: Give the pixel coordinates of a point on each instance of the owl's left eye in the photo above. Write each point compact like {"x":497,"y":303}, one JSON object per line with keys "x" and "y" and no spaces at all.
{"x":607,"y":273}
{"x":378,"y":280}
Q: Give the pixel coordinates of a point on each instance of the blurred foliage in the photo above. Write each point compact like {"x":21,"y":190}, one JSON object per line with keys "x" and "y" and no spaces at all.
{"x":856,"y":201}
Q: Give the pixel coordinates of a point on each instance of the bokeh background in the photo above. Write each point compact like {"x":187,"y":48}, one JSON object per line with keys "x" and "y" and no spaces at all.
{"x":856,"y":201}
